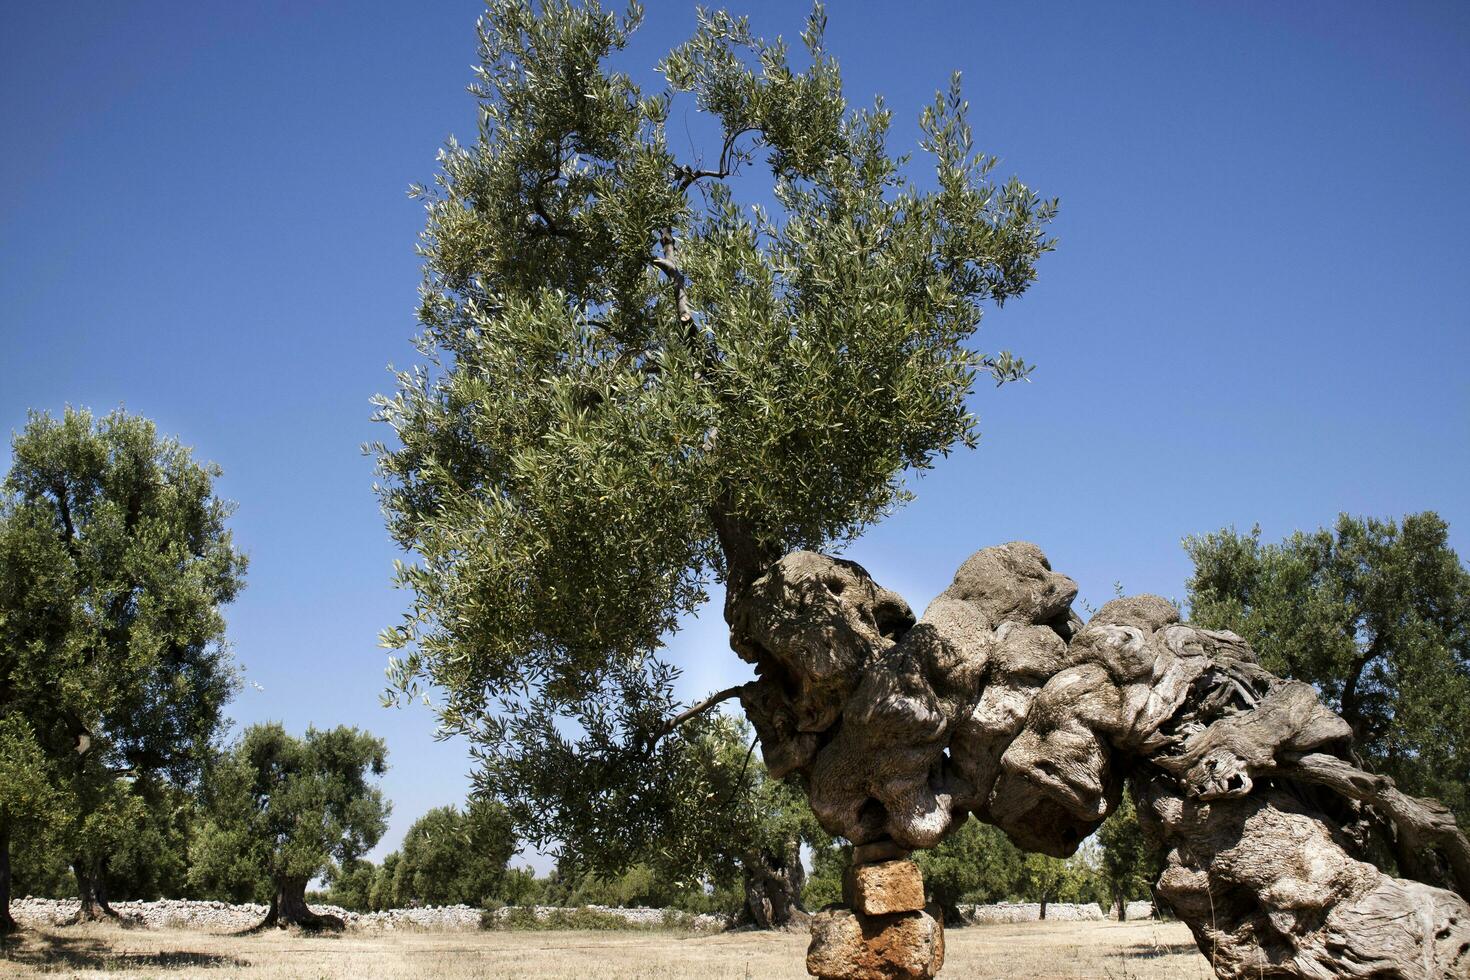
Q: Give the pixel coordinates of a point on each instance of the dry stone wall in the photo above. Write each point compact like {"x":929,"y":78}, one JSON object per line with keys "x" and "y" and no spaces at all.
{"x":1003,"y":912}
{"x":222,"y":916}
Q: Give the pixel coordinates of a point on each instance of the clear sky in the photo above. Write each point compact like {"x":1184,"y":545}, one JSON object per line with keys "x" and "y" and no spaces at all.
{"x":1258,"y":312}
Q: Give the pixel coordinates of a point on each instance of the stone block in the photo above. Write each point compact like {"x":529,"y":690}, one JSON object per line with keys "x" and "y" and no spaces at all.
{"x":884,"y":888}
{"x":901,"y":946}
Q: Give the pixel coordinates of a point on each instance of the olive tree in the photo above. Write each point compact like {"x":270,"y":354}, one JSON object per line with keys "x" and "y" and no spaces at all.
{"x":280,"y":809}
{"x":115,"y":561}
{"x":454,"y":857}
{"x":1128,"y":866}
{"x":639,"y":383}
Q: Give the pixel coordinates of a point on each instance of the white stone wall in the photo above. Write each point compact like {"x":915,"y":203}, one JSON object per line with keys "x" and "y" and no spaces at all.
{"x":1055,"y":911}
{"x":1031,"y":912}
{"x":183,"y":914}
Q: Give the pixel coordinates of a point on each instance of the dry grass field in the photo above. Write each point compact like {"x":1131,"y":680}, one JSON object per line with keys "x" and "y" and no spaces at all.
{"x":1121,"y":951}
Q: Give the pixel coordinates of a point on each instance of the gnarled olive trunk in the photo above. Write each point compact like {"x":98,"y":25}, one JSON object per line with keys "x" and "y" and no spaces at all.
{"x":773,"y":884}
{"x":92,"y":891}
{"x":1000,"y":702}
{"x":7,"y":924}
{"x":288,"y":908}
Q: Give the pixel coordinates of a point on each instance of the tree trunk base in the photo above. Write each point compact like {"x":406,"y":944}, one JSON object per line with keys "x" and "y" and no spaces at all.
{"x":289,"y":908}
{"x":93,"y":896}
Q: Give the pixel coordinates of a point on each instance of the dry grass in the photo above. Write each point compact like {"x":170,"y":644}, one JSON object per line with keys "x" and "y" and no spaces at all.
{"x":1120,"y":951}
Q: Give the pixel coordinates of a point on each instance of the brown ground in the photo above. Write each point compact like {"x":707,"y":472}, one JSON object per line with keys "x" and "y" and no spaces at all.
{"x":1114,"y":950}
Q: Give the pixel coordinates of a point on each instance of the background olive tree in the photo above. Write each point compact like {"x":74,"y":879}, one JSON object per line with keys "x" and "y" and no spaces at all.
{"x":640,"y":382}
{"x":977,"y":863}
{"x":280,"y":809}
{"x":115,"y":561}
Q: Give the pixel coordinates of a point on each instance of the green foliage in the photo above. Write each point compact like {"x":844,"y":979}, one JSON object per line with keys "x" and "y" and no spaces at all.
{"x":281,"y":808}
{"x":151,"y":860}
{"x":1045,"y":879}
{"x":382,"y":894}
{"x":976,"y":863}
{"x":114,"y":564}
{"x":592,"y":920}
{"x":520,"y":886}
{"x":1376,"y":616}
{"x":691,"y":811}
{"x":824,"y":880}
{"x":638,"y":887}
{"x":31,"y":808}
{"x":350,"y":885}
{"x":1127,"y":866}
{"x":451,"y":857}
{"x":633,"y":386}
{"x":29,"y":801}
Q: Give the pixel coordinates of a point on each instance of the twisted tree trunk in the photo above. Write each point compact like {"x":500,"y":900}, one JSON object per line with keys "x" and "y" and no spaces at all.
{"x":1000,"y":702}
{"x":288,"y":908}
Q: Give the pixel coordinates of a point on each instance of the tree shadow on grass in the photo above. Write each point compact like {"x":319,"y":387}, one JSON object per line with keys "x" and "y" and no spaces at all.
{"x":1150,"y":951}
{"x":47,"y":951}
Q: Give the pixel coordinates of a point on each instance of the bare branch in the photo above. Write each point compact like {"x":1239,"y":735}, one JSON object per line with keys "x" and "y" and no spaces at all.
{"x":701,"y":708}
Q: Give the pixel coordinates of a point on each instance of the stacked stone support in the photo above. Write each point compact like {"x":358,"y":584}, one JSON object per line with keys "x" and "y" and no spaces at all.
{"x":882,"y":932}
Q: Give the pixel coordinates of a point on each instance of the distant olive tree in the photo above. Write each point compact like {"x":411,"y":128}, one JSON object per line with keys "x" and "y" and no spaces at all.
{"x":976,"y":863}
{"x":1128,"y":866}
{"x":454,"y":857}
{"x":280,"y":809}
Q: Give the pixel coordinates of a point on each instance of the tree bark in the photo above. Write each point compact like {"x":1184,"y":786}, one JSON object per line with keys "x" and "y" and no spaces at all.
{"x":92,"y":892}
{"x":1000,"y":702}
{"x":773,"y":884}
{"x":288,"y":908}
{"x":1043,"y":910}
{"x":1122,"y":908}
{"x":7,"y":924}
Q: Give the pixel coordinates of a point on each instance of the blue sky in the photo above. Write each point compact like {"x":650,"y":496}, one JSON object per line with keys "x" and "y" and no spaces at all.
{"x":1258,"y":311}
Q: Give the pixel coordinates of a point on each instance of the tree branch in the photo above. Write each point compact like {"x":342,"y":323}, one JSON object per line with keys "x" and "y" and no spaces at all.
{"x":668,"y":264}
{"x":690,"y":175}
{"x":700,"y":708}
{"x":740,"y":783}
{"x":59,"y":488}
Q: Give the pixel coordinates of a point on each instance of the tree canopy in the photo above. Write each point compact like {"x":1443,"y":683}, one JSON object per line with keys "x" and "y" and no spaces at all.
{"x":454,"y":857}
{"x":1373,"y":613}
{"x":701,"y":809}
{"x":639,"y":381}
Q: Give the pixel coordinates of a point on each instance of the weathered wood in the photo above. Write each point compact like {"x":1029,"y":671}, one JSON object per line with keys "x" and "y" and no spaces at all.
{"x":1429,"y":844}
{"x":1000,"y":702}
